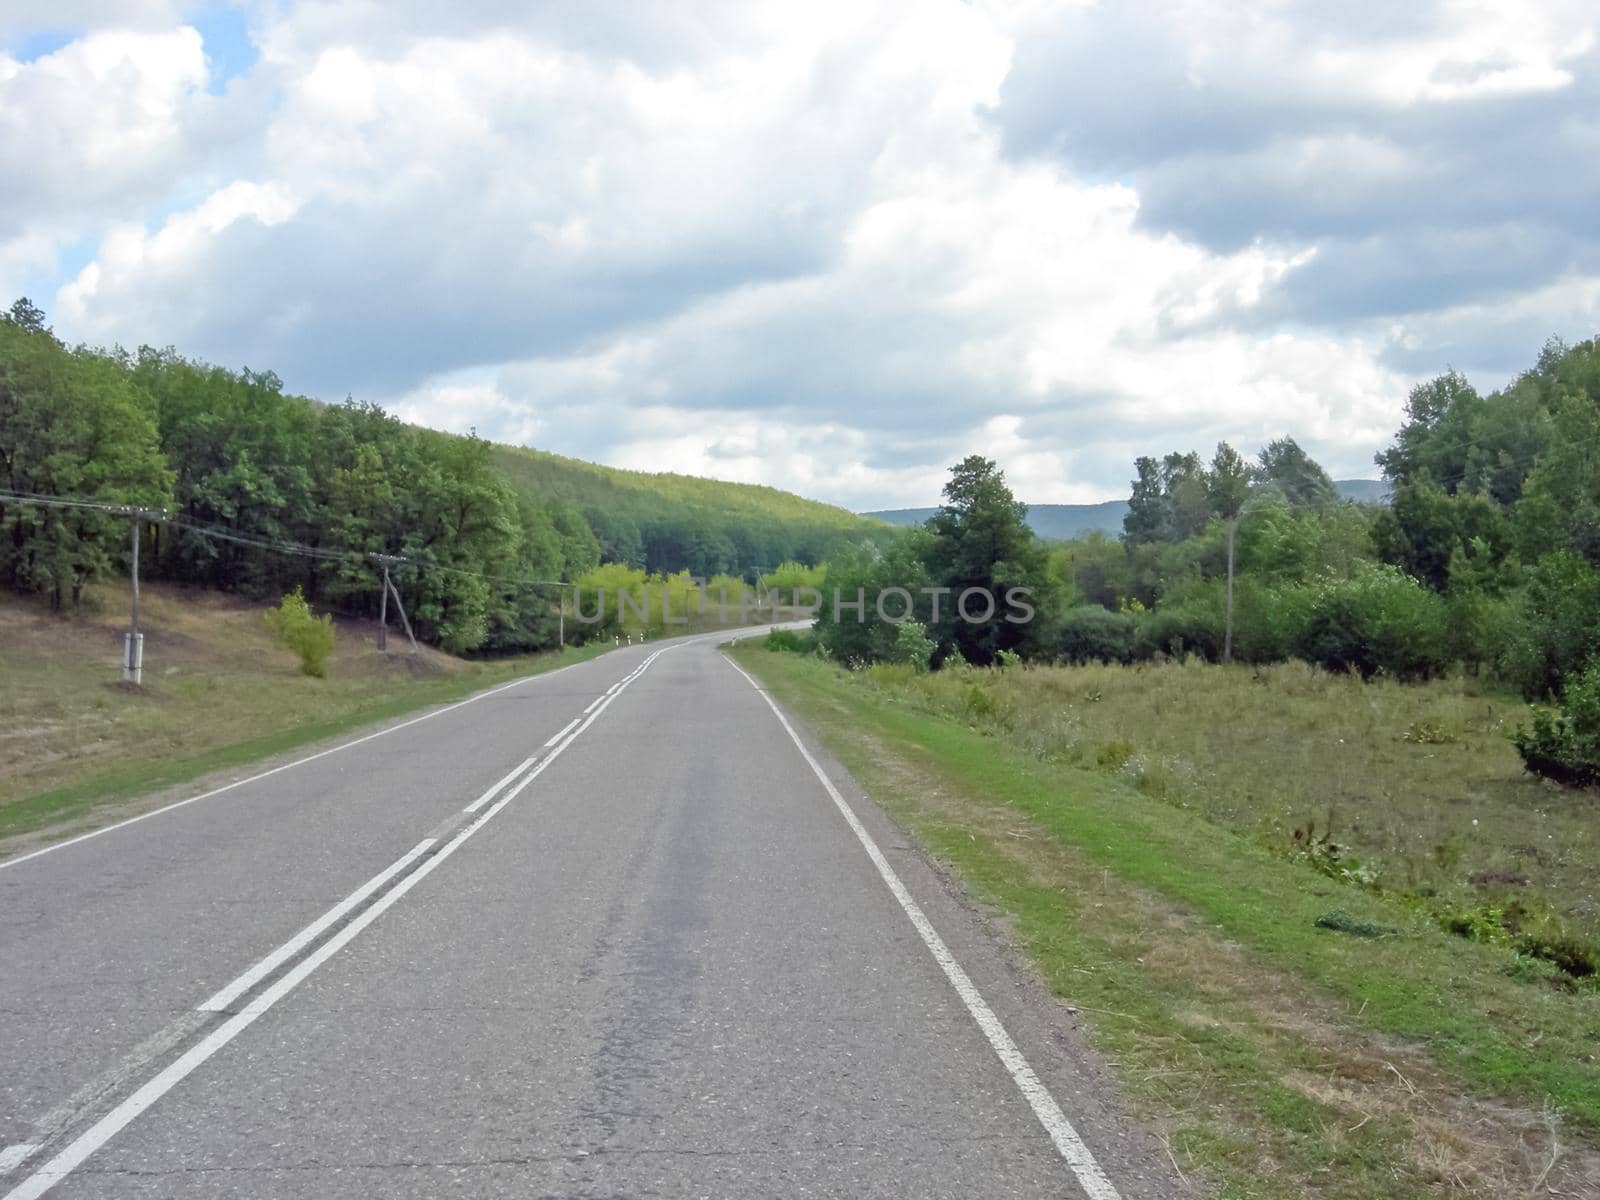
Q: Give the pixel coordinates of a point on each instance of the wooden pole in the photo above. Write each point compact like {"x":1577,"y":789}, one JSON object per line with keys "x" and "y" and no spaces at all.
{"x":383,"y":612}
{"x":133,"y":579}
{"x":133,"y":643}
{"x":404,"y":620}
{"x":1227,"y":637}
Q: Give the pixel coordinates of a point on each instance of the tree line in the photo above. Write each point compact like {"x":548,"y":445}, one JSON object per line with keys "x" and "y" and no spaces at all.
{"x":271,"y":491}
{"x":1486,"y":558}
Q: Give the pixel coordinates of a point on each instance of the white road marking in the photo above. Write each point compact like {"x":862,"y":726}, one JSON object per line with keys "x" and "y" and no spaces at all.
{"x":13,"y":1157}
{"x":269,"y":964}
{"x":108,"y":1126}
{"x":1067,"y":1142}
{"x":228,"y":787}
{"x":503,"y":780}
{"x":564,"y":729}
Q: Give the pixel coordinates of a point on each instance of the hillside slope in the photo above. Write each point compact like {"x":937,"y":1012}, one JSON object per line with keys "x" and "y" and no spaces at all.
{"x":666,"y":522}
{"x":218,"y":689}
{"x":262,"y":491}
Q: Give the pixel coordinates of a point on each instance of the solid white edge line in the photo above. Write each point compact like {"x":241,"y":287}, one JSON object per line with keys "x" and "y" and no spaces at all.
{"x":1067,"y":1142}
{"x":266,"y":966}
{"x":108,"y":1126}
{"x":17,"y":860}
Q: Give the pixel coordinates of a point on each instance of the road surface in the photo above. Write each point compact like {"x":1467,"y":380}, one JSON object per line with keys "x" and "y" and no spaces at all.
{"x":618,"y":930}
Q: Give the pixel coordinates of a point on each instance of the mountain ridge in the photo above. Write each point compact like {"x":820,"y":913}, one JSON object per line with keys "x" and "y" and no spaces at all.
{"x":1076,"y":520}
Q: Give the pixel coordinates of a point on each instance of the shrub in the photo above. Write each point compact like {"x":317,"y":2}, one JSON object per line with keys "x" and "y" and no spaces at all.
{"x":1479,"y":923}
{"x":308,"y":636}
{"x":1193,"y":627}
{"x":1267,"y":621}
{"x":1564,"y":743}
{"x":1480,"y":626}
{"x":980,"y":703}
{"x":1380,"y":620}
{"x":912,"y":645}
{"x":1574,"y":955}
{"x":1090,"y":633}
{"x":1114,"y":755}
{"x":790,"y":641}
{"x":1553,"y":628}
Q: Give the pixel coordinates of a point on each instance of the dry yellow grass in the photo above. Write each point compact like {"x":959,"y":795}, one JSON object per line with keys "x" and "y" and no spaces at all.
{"x":218,"y":688}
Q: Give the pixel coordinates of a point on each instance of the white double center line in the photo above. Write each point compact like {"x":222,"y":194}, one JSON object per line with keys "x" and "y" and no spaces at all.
{"x":108,"y":1126}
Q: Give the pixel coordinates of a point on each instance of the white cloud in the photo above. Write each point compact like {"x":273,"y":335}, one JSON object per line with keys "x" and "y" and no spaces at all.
{"x":830,"y":248}
{"x":97,"y":127}
{"x":132,"y":260}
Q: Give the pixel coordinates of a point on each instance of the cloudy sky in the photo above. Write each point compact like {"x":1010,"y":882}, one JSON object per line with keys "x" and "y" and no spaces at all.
{"x":827,"y":246}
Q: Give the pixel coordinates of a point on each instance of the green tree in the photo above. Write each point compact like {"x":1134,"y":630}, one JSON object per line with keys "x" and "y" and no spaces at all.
{"x":983,"y":549}
{"x":1425,"y":529}
{"x":849,"y":626}
{"x":26,"y":316}
{"x":1285,"y":468}
{"x":72,"y":424}
{"x":1147,"y":507}
{"x":1170,"y":500}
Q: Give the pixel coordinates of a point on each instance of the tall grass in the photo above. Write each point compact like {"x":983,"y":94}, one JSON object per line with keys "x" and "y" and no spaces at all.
{"x":1417,"y":781}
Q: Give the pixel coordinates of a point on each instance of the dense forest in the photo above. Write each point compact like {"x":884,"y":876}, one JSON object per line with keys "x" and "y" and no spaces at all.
{"x":1487,"y":560}
{"x":665,"y":523}
{"x":266,"y":491}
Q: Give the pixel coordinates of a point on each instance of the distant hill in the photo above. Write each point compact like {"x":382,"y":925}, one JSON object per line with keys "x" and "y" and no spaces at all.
{"x":668,"y":522}
{"x":1076,"y":520}
{"x":1363,"y":491}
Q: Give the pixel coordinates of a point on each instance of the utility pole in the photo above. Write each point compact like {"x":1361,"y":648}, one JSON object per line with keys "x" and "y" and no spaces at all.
{"x":390,"y":590}
{"x":133,"y":640}
{"x":383,"y":612}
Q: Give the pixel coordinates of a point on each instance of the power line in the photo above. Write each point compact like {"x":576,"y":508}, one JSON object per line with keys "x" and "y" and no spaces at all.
{"x":163,"y":517}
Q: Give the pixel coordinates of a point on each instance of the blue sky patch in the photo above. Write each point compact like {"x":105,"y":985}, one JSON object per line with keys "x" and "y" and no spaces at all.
{"x":42,"y":42}
{"x":226,"y":35}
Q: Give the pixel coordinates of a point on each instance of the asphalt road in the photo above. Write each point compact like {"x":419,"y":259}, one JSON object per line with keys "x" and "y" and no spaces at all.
{"x":676,"y":953}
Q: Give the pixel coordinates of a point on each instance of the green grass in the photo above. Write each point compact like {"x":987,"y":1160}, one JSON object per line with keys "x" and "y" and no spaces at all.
{"x":219,"y":692}
{"x":1282,"y":1059}
{"x":1419,"y":784}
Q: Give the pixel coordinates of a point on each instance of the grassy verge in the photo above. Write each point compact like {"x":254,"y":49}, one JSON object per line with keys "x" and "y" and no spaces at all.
{"x":1282,"y":1058}
{"x":218,"y":693}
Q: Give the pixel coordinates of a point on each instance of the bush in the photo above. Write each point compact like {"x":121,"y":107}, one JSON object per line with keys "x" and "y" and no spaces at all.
{"x":1090,"y":633}
{"x":1380,"y":620}
{"x":1553,"y":629}
{"x":788,"y":641}
{"x":308,"y":636}
{"x":1564,"y":743}
{"x":1269,"y":622}
{"x":1480,"y":625}
{"x":912,"y":646}
{"x":1193,"y":627}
